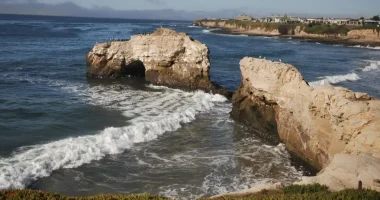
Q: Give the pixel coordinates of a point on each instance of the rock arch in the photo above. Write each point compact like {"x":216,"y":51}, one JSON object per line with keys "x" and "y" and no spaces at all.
{"x":135,"y":68}
{"x":165,"y":57}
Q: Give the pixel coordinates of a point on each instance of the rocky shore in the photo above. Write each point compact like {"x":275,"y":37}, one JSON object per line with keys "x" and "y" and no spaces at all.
{"x":332,"y":128}
{"x":361,"y":37}
{"x":165,"y":57}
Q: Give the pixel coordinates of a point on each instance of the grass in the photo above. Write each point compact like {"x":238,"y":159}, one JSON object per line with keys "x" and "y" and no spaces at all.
{"x":306,"y":192}
{"x":312,"y":192}
{"x":39,"y":195}
{"x":326,"y":29}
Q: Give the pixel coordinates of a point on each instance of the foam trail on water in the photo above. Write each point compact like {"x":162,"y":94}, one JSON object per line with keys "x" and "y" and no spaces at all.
{"x":366,"y":47}
{"x":209,"y":30}
{"x":154,"y":113}
{"x":326,"y":80}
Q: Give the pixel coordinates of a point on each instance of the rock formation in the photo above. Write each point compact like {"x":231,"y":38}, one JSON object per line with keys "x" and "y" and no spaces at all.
{"x":316,"y":124}
{"x":164,"y":57}
{"x":363,"y":37}
{"x":345,"y":171}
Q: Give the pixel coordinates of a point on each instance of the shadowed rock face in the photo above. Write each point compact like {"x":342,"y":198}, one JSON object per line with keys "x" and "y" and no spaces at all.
{"x":315,"y":123}
{"x":166,"y":57}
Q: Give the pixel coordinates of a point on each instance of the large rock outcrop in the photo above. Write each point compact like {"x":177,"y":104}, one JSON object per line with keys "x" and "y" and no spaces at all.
{"x":165,"y":57}
{"x":316,"y":124}
{"x":345,"y":171}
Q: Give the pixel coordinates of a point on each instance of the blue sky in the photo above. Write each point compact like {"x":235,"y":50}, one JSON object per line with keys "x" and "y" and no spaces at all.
{"x":354,"y":7}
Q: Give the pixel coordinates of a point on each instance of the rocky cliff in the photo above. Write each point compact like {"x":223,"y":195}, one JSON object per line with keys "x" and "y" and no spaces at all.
{"x":165,"y":57}
{"x":316,"y":124}
{"x":353,"y":37}
{"x":239,"y":28}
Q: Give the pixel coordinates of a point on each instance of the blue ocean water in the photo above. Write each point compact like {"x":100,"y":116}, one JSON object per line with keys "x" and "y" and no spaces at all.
{"x":63,"y":133}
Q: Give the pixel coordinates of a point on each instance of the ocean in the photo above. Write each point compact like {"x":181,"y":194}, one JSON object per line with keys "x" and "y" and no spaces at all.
{"x":61,"y":132}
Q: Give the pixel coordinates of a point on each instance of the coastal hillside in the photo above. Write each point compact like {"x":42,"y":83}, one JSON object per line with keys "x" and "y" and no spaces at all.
{"x":350,"y":35}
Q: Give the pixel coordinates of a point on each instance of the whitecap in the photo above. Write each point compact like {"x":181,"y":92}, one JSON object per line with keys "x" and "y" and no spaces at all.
{"x":373,"y":65}
{"x":326,"y":80}
{"x":366,"y":47}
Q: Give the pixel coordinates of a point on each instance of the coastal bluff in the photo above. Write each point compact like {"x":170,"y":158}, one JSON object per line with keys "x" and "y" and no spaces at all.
{"x":334,"y":129}
{"x":366,"y":36}
{"x":164,"y":57}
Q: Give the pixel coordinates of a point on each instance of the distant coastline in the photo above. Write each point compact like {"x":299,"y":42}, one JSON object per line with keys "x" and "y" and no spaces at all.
{"x":357,"y":37}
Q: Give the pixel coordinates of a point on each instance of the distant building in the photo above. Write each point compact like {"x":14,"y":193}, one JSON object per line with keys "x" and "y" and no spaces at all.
{"x":273,"y":19}
{"x":314,"y":20}
{"x":244,"y":18}
{"x":355,"y":22}
{"x":339,"y":21}
{"x":369,"y":22}
{"x":291,"y":20}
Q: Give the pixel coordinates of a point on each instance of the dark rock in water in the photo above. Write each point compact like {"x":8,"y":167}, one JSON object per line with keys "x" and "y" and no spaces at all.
{"x":164,"y":57}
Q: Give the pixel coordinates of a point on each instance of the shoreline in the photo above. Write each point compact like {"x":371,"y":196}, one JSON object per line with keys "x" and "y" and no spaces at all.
{"x":328,"y":41}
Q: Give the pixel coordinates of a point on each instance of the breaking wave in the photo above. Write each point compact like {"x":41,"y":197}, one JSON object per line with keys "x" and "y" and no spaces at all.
{"x":150,"y":113}
{"x":326,"y":80}
{"x":373,"y":65}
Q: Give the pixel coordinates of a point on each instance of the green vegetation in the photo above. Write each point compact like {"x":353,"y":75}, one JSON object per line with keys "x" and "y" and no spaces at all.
{"x":289,"y":29}
{"x":376,"y":18}
{"x":39,"y":195}
{"x":313,"y":192}
{"x":326,"y":29}
{"x":264,"y":25}
{"x":310,"y":192}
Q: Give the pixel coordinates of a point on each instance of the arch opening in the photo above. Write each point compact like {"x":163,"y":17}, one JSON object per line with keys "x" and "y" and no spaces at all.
{"x":134,"y":69}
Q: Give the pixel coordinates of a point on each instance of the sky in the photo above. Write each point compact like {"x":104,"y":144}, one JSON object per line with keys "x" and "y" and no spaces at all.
{"x":198,"y":8}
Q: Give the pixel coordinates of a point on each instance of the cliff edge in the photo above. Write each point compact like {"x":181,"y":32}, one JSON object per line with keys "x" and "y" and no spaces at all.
{"x":319,"y":125}
{"x":165,"y":57}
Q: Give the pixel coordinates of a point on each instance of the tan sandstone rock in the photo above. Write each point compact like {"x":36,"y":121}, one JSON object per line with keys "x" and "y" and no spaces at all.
{"x":345,"y":171}
{"x":315,"y":123}
{"x":165,"y":57}
{"x":335,"y":129}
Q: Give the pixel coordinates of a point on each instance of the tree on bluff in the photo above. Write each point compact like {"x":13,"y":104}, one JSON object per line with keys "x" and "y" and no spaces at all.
{"x":376,"y":18}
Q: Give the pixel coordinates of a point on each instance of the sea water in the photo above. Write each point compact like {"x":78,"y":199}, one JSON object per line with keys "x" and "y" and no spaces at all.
{"x":64,"y":133}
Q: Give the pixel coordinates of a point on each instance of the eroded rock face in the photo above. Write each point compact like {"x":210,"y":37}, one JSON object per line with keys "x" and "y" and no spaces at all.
{"x":345,"y":171}
{"x":315,"y":123}
{"x":164,"y":57}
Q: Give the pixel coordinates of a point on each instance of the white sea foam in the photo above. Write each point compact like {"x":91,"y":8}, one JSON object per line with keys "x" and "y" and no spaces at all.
{"x":191,"y":26}
{"x":248,"y":151}
{"x":373,"y":65}
{"x":335,"y":79}
{"x":210,"y":30}
{"x":154,"y":113}
{"x":366,"y":47}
